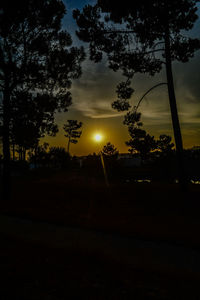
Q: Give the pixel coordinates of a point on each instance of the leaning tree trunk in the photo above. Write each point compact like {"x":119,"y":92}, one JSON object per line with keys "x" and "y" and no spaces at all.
{"x":174,"y":114}
{"x":6,"y":146}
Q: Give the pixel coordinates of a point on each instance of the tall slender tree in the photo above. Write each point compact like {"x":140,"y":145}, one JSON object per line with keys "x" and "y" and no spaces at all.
{"x":140,"y":37}
{"x":72,"y":132}
{"x":35,"y":56}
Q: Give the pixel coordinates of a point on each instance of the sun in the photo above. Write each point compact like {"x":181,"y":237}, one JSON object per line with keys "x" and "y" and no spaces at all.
{"x":98,"y":137}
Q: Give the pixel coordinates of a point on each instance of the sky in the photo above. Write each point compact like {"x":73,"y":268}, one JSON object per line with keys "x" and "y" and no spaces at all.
{"x":94,"y":92}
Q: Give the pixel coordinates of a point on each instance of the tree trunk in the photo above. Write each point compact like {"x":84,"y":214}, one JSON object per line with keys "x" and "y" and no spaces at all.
{"x":24,"y":154}
{"x":35,"y":157}
{"x":20,"y":153}
{"x":68,"y":144}
{"x":13,"y":150}
{"x":6,"y":146}
{"x":174,"y":114}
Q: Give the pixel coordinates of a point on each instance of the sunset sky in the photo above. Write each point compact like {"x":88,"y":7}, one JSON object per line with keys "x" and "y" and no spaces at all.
{"x":94,"y":92}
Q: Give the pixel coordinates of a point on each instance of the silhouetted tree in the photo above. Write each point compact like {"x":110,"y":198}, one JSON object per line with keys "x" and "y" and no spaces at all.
{"x":140,"y":141}
{"x":164,"y":144}
{"x":35,"y":56}
{"x":109,"y":161}
{"x":109,"y":150}
{"x":32,"y":116}
{"x":139,"y":37}
{"x":72,"y":132}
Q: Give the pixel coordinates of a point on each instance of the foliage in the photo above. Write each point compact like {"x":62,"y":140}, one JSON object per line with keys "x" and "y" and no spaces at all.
{"x":141,"y":37}
{"x":164,"y":144}
{"x":31,"y":118}
{"x":35,"y":51}
{"x":127,"y":30}
{"x":110,"y":151}
{"x":133,"y":33}
{"x":37,"y":62}
{"x":72,"y":132}
{"x":51,"y":157}
{"x":141,"y":142}
{"x":133,"y":118}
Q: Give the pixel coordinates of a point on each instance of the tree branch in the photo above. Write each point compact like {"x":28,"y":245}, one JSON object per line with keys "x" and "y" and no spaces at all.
{"x":154,"y":46}
{"x":118,"y":31}
{"x":155,"y":50}
{"x":152,"y":88}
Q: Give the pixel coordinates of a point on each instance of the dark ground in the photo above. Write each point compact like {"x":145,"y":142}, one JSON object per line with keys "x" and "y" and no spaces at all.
{"x":29,"y":271}
{"x":156,"y":211}
{"x":152,"y":211}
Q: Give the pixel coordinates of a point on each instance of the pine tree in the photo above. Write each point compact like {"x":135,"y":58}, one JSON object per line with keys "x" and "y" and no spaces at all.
{"x":35,"y":57}
{"x":141,"y":37}
{"x":72,"y":132}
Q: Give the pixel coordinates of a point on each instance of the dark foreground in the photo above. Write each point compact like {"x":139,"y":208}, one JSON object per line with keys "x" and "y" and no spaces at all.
{"x":156,"y":211}
{"x":30,"y":271}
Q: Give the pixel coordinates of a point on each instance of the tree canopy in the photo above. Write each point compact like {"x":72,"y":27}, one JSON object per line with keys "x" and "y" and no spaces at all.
{"x":132,"y":34}
{"x":36,"y":58}
{"x":140,"y":142}
{"x":109,"y":150}
{"x":141,"y":37}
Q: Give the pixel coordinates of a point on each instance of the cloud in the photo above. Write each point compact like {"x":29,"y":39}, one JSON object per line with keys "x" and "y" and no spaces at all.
{"x":94,"y":92}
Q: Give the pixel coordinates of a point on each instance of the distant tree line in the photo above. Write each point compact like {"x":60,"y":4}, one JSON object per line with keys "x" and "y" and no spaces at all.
{"x":26,"y":134}
{"x":157,"y":164}
{"x":49,"y":157}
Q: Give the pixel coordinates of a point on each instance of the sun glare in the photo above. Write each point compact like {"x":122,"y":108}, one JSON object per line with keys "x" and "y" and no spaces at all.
{"x":98,"y":137}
